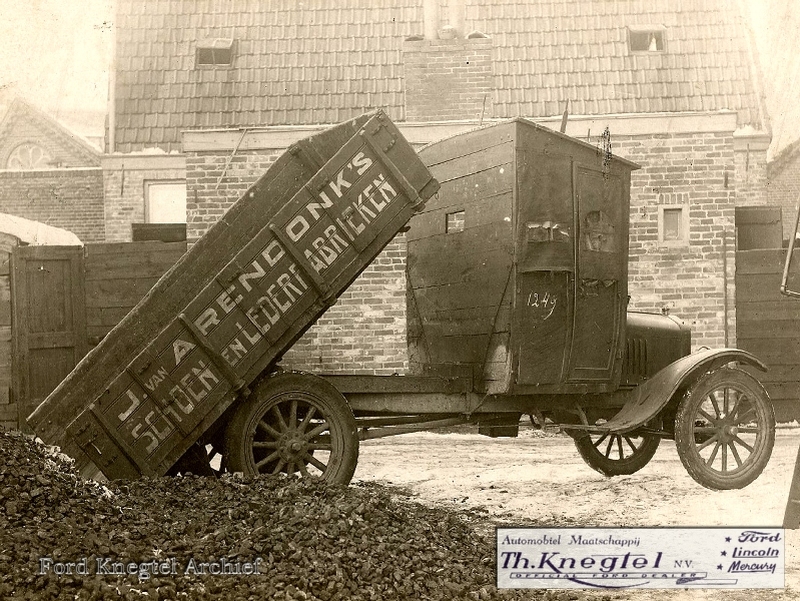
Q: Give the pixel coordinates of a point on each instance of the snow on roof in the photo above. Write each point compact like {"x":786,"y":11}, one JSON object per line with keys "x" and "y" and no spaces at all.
{"x":36,"y":233}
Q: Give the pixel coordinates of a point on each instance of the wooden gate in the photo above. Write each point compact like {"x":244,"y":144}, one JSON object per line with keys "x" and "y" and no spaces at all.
{"x":49,"y":322}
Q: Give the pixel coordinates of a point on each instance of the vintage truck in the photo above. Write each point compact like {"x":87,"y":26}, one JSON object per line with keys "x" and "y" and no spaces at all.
{"x":517,"y":305}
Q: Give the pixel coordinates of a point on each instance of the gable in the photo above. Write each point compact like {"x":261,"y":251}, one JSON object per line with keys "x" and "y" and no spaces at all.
{"x":311,"y":63}
{"x":28,"y":137}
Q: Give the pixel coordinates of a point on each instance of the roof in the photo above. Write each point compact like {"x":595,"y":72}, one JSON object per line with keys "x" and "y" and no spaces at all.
{"x":320,"y":62}
{"x":565,"y":139}
{"x":36,"y":233}
{"x":21,"y":121}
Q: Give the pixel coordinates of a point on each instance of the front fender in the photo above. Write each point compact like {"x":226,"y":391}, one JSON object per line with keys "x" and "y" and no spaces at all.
{"x":650,"y":397}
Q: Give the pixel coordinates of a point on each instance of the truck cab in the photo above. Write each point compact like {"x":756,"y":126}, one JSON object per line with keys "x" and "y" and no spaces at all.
{"x":518,"y":274}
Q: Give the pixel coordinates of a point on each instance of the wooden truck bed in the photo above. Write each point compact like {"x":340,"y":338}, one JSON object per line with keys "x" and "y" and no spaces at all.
{"x":237,"y":300}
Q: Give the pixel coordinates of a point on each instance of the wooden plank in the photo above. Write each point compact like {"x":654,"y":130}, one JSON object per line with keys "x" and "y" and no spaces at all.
{"x":121,"y":258}
{"x":464,"y":320}
{"x":459,"y":348}
{"x":758,"y":215}
{"x":781,"y":372}
{"x":784,"y":309}
{"x":750,"y":329}
{"x":779,"y":391}
{"x":480,"y":212}
{"x":430,"y":264}
{"x":451,"y":297}
{"x":491,"y":158}
{"x":134,"y":260}
{"x":773,"y":351}
{"x":163,"y":232}
{"x":113,"y":248}
{"x":5,"y":301}
{"x":763,"y":261}
{"x":760,"y":287}
{"x":5,"y":263}
{"x":398,"y":384}
{"x":467,"y":143}
{"x":105,"y":317}
{"x":474,"y":186}
{"x":786,"y":410}
{"x":117,"y":293}
{"x":759,"y":228}
{"x":143,"y":270}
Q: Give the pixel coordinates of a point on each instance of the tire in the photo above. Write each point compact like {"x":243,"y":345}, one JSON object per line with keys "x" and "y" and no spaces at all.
{"x":295,"y":424}
{"x":726,"y":410}
{"x":616,"y":454}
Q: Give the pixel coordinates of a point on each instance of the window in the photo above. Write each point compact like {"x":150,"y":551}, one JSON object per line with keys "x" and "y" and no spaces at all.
{"x":455,"y":222}
{"x":29,"y":156}
{"x":216,"y":52}
{"x":673,"y":225}
{"x":165,"y":201}
{"x":646,"y":40}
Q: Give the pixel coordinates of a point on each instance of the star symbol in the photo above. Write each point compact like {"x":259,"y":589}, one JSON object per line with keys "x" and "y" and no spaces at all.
{"x":724,"y":553}
{"x":719,"y":567}
{"x":727,"y":539}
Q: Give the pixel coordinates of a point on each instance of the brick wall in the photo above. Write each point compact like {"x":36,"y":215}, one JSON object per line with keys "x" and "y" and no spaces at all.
{"x":124,"y":180}
{"x":751,"y":176}
{"x":691,"y":280}
{"x":448,"y":80}
{"x":365,"y":331}
{"x":208,"y":196}
{"x":71,"y":199}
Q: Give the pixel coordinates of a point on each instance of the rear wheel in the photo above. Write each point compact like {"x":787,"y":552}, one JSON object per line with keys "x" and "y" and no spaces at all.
{"x":725,"y":429}
{"x":295,"y":424}
{"x":616,"y":454}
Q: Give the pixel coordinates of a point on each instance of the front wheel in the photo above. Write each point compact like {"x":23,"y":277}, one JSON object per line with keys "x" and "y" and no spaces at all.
{"x":295,"y":424}
{"x":616,"y":454}
{"x":725,"y":429}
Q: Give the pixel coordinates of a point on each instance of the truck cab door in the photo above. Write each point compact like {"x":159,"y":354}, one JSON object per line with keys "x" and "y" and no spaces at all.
{"x":601,"y":275}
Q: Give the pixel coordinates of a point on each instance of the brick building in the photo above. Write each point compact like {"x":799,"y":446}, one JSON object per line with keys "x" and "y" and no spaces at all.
{"x":671,"y":84}
{"x":48,"y":173}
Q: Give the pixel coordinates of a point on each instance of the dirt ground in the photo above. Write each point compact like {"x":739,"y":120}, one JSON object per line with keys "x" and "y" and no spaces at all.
{"x":540,"y":477}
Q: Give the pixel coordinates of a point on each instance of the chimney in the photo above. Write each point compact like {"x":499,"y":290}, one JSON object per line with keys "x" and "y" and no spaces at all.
{"x":431,"y":18}
{"x":448,"y":75}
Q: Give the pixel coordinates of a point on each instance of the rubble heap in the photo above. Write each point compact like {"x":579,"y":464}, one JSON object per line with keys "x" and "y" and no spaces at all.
{"x":306,"y":540}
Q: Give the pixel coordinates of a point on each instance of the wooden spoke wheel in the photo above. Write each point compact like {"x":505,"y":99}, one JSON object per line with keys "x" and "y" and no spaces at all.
{"x":294,"y":424}
{"x":725,"y":429}
{"x":616,"y":454}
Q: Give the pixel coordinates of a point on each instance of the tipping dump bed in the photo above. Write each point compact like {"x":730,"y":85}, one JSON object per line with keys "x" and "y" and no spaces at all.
{"x":237,"y":300}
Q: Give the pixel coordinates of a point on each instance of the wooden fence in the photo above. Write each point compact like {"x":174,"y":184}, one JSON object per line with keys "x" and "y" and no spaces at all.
{"x":768,"y":324}
{"x":59,"y":313}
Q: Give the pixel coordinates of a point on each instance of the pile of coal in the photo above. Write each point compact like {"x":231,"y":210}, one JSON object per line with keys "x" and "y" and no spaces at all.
{"x":189,"y":537}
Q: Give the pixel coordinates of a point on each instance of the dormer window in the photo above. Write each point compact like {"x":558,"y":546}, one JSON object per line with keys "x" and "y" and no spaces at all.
{"x":214,"y":52}
{"x":646,"y":39}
